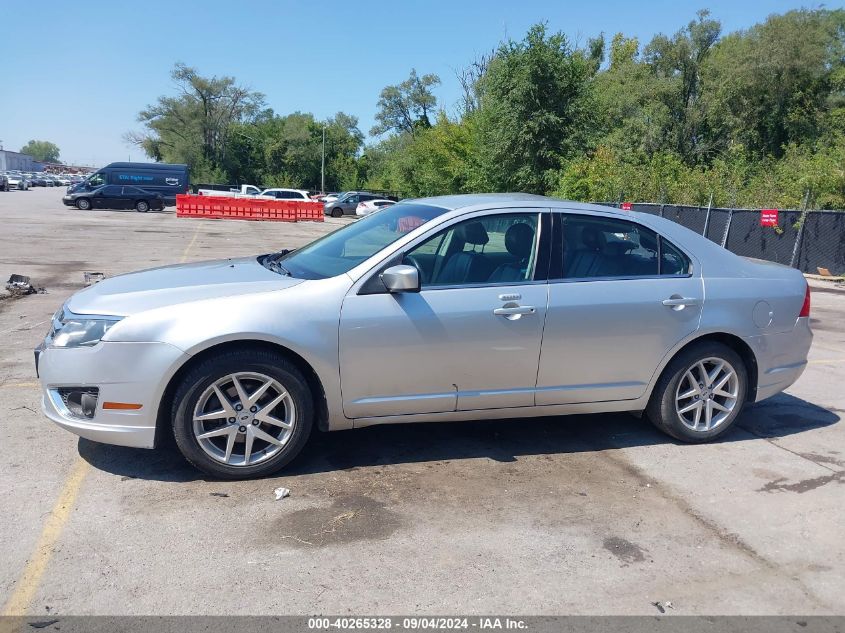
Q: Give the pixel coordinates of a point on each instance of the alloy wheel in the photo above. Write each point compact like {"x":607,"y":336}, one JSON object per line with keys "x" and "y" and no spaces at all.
{"x":244,"y":419}
{"x":707,"y":394}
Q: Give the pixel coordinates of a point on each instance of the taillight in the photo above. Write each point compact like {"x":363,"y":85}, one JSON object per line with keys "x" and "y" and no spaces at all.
{"x":805,"y":309}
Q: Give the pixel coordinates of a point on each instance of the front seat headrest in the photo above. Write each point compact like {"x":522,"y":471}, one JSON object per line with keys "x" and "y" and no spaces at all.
{"x":473,"y":233}
{"x":519,"y":238}
{"x":592,"y":238}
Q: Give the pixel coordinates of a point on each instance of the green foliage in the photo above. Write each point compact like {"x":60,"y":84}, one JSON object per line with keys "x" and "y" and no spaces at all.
{"x":404,"y":108}
{"x":535,"y":111}
{"x":194,"y":126}
{"x":755,"y":118}
{"x":43,"y":151}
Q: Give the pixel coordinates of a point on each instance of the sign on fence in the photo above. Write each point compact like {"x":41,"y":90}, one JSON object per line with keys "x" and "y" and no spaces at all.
{"x":768,"y":217}
{"x":626,"y":206}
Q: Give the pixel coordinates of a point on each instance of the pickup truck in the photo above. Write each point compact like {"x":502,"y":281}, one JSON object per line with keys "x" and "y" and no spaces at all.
{"x":232,"y":192}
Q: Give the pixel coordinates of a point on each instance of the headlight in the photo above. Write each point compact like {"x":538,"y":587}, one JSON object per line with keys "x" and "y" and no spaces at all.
{"x":75,"y":330}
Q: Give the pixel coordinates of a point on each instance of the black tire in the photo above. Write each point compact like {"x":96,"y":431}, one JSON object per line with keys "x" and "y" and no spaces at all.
{"x":203,"y":375}
{"x":142,"y":206}
{"x":83,"y":204}
{"x":662,"y":410}
{"x":337,"y":212}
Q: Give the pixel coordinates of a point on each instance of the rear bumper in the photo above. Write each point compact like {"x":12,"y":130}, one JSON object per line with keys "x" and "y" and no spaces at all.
{"x":124,"y":373}
{"x":781,"y":358}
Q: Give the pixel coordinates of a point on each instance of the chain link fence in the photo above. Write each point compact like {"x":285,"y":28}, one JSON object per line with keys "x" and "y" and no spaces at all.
{"x":817,"y":242}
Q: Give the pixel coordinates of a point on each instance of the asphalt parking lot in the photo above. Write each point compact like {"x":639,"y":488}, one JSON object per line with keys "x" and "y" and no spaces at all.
{"x":592,"y":514}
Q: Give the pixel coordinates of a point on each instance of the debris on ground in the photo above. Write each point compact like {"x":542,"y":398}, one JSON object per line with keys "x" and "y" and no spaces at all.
{"x":662,"y":606}
{"x":91,"y":277}
{"x":281,"y":493}
{"x":218,"y":494}
{"x":19,"y":285}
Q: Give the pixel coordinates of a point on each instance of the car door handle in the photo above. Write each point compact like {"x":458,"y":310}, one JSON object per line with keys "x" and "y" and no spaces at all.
{"x":676,"y":301}
{"x":514,"y":310}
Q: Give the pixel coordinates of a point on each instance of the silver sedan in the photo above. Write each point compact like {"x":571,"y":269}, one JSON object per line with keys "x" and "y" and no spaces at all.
{"x":451,"y":308}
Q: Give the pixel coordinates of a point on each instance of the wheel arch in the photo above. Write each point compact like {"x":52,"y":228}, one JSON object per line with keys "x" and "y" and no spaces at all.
{"x":732,"y":341}
{"x":314,"y":383}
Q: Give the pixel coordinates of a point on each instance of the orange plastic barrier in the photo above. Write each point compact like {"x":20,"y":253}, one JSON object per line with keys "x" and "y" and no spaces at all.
{"x":226,"y":208}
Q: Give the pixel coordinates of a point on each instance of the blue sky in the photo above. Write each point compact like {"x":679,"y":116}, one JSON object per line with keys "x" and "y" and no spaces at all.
{"x":84,"y":69}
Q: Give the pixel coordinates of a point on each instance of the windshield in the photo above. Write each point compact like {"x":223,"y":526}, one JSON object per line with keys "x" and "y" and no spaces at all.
{"x":341,"y":251}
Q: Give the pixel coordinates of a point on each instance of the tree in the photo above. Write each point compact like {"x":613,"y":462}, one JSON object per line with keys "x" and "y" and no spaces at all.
{"x":286,"y":151}
{"x":780,"y":82}
{"x":534,"y":111}
{"x":470,"y":79}
{"x":42,"y":151}
{"x":193,"y":127}
{"x":677,"y":63}
{"x":406,"y":106}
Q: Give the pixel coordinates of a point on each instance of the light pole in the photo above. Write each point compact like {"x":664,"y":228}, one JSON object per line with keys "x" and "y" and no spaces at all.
{"x":323,"y":164}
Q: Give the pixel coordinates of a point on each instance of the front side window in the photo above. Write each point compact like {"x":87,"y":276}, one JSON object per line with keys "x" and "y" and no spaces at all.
{"x":594,"y":246}
{"x":111,"y":190}
{"x":342,"y":250}
{"x":491,"y":249}
{"x":95,"y":180}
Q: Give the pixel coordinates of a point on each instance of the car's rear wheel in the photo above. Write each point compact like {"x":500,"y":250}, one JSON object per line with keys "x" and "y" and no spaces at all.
{"x":83,"y":204}
{"x":700,"y":393}
{"x":142,"y":206}
{"x":336,"y":212}
{"x":242,"y":414}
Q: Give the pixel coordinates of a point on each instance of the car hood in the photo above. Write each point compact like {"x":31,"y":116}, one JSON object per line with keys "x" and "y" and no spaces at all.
{"x":170,"y":285}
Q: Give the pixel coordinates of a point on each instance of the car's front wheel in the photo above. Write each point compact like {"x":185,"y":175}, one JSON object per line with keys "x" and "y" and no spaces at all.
{"x":242,"y":414}
{"x":83,"y":204}
{"x":337,"y":212}
{"x":142,"y":206}
{"x":700,"y":393}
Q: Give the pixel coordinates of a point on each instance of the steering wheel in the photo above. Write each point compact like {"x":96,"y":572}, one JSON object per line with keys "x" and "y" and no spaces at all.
{"x":410,"y":259}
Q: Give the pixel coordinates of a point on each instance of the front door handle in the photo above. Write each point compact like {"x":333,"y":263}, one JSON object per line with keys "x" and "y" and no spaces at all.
{"x":677,"y":302}
{"x":515,"y":310}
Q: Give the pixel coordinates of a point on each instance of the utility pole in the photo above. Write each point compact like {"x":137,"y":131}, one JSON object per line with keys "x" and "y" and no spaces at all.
{"x":323,"y":164}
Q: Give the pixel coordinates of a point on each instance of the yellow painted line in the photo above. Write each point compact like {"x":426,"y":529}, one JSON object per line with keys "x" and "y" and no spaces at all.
{"x":10,"y":385}
{"x":20,"y":601}
{"x":190,"y":246}
{"x":829,"y":349}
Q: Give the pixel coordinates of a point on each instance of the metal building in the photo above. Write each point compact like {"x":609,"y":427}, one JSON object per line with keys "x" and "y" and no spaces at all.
{"x":16,"y":160}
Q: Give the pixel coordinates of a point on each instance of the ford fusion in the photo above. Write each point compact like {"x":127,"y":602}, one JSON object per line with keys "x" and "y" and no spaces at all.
{"x":451,"y":308}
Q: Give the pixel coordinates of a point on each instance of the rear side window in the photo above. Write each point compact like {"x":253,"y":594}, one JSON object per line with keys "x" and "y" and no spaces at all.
{"x":589,"y":247}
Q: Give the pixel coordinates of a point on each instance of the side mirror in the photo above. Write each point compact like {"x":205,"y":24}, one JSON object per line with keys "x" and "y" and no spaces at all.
{"x":401,"y":278}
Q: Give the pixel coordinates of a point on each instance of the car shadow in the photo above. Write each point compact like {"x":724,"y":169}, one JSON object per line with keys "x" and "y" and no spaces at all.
{"x":499,"y":440}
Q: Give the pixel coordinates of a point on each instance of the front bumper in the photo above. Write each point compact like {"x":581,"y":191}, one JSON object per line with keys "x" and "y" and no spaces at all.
{"x":68,"y":202}
{"x":781,"y":357}
{"x":124,"y":373}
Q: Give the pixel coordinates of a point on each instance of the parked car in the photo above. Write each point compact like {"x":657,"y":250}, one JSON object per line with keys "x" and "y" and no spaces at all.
{"x":4,"y":182}
{"x":369,"y":206}
{"x":347,"y":203}
{"x":115,"y":197}
{"x":229,"y":190}
{"x":38,"y":180}
{"x":286,"y":194}
{"x":451,"y":308}
{"x":17,"y":180}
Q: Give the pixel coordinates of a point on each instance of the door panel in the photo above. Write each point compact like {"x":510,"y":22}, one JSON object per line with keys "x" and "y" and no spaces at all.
{"x":604,"y":339}
{"x":607,"y":327}
{"x":470,"y":339}
{"x":439,"y":350}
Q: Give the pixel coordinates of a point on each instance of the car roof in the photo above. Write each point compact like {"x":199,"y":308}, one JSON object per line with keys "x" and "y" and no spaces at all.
{"x":511,"y":200}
